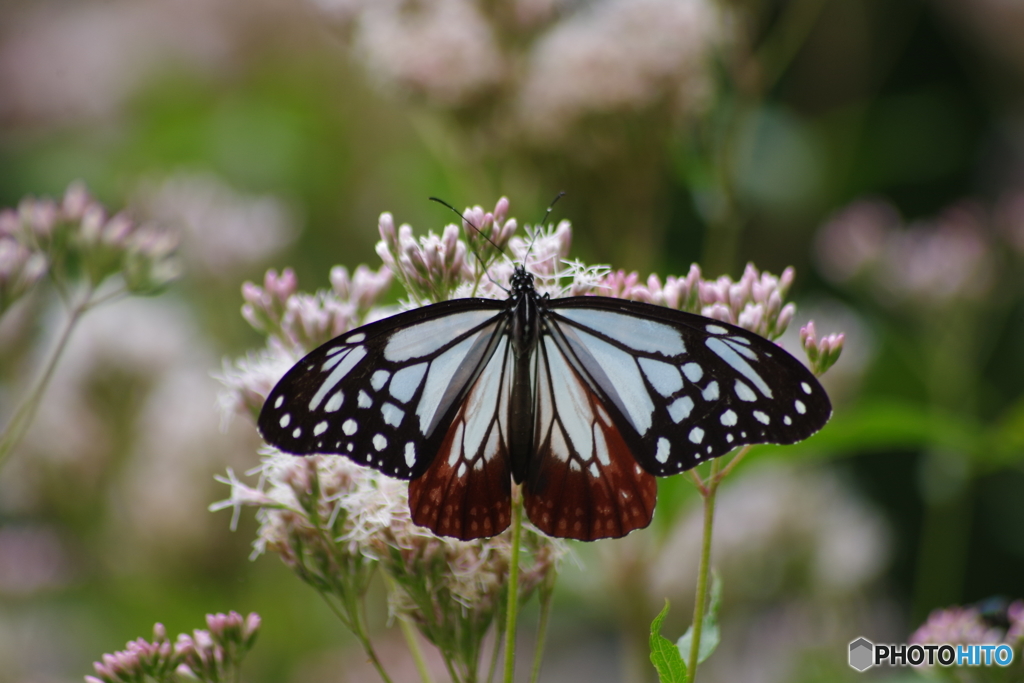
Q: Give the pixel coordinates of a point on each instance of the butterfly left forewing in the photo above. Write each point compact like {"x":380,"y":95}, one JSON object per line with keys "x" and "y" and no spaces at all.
{"x":583,"y":482}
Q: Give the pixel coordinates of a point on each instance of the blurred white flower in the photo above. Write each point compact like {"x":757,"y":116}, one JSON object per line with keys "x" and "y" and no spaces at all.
{"x":773,"y":522}
{"x":928,"y":262}
{"x":619,"y":56}
{"x":443,"y":50}
{"x":223,"y":229}
{"x":131,"y":414}
{"x":61,"y":63}
{"x":32,"y":559}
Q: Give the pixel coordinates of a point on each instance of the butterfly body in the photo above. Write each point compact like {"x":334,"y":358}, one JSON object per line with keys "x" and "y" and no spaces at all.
{"x":582,"y":400}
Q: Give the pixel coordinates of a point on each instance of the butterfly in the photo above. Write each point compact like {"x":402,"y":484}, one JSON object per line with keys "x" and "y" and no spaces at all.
{"x":582,"y":400}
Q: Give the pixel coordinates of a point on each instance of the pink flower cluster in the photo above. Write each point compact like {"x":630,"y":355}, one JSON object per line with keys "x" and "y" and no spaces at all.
{"x":42,"y":235}
{"x":207,"y":655}
{"x":927,"y":262}
{"x":754,"y":302}
{"x":304,"y":321}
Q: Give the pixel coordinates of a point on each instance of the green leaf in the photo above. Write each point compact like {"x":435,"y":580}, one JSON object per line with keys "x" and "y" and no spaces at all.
{"x":664,"y":655}
{"x":709,"y":635}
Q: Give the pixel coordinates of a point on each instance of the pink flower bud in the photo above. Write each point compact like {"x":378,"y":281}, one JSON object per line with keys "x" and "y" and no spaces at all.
{"x":386,"y":227}
{"x":501,"y":211}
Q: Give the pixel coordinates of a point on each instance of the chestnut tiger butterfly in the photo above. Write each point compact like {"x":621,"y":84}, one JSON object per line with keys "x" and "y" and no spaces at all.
{"x":582,"y":400}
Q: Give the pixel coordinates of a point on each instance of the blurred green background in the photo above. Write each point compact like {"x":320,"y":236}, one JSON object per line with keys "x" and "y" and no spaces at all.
{"x":875,"y":145}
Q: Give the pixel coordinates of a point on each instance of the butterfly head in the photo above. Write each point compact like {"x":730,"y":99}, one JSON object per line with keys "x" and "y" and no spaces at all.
{"x":522,"y":282}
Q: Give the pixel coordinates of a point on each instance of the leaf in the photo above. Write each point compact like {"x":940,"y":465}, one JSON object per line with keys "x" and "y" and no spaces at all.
{"x":664,"y":655}
{"x":710,"y":635}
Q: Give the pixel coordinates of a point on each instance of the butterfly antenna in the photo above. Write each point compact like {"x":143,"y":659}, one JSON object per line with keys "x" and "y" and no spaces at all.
{"x":479,"y":232}
{"x":543,"y":221}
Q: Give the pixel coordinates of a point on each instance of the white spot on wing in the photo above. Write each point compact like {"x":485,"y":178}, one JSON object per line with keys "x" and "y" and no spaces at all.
{"x":334,"y":402}
{"x":453,"y":457}
{"x":716,"y":329}
{"x":425,"y":338}
{"x":729,"y":355}
{"x":380,"y":442}
{"x":744,"y":392}
{"x":729,"y":418}
{"x":741,"y":349}
{"x":462,"y":470}
{"x":343,"y":368}
{"x":285,"y":420}
{"x":664,"y":448}
{"x":680,"y":409}
{"x":637,"y":333}
{"x":442,"y":369}
{"x":629,"y":384}
{"x":806,"y":387}
{"x":356,"y":338}
{"x":378,"y":379}
{"x":280,"y":400}
{"x":594,"y":472}
{"x":364,"y":400}
{"x":484,"y":401}
{"x":762,"y":417}
{"x":664,"y":377}
{"x":297,"y":433}
{"x":392,"y":414}
{"x":320,"y":428}
{"x":410,"y":454}
{"x":601,"y":446}
{"x":696,"y":435}
{"x":800,"y":407}
{"x":558,"y":446}
{"x":710,"y":392}
{"x":571,"y":403}
{"x":787,"y":420}
{"x":693,"y":372}
{"x":349,"y":427}
{"x":406,"y":381}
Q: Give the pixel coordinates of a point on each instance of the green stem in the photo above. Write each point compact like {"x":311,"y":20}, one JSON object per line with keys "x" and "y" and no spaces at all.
{"x":414,"y":648}
{"x":702,"y":573}
{"x":26,"y":412}
{"x":542,"y":630}
{"x":513,"y":587}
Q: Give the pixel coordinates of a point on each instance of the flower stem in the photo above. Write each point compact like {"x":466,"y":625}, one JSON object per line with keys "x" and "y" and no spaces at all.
{"x":513,"y":587}
{"x":702,"y":573}
{"x":414,"y":648}
{"x":542,"y":629}
{"x":26,"y":412}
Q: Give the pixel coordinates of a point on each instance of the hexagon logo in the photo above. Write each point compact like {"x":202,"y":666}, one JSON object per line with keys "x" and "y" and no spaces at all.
{"x":862,"y":653}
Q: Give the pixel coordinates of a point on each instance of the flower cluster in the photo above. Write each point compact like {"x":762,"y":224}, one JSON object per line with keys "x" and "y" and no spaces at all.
{"x":304,"y":321}
{"x":75,"y":240}
{"x":971,"y":626}
{"x":334,"y":523}
{"x":928,"y":262}
{"x":754,"y":302}
{"x":549,"y":64}
{"x":822,"y":353}
{"x":211,"y":656}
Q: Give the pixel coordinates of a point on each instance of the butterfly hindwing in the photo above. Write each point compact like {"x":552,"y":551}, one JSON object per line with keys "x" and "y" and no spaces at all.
{"x":583,"y":481}
{"x":466,"y":491}
{"x":684,"y":388}
{"x":380,"y":394}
